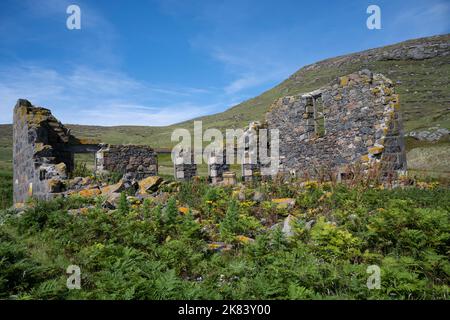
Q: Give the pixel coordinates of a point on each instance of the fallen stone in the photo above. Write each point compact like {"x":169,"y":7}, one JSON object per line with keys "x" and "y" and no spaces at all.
{"x":128,"y":182}
{"x":113,"y":188}
{"x":244,"y":240}
{"x":108,"y":205}
{"x":55,"y":185}
{"x":431,"y":134}
{"x":219,"y":246}
{"x":149,"y":184}
{"x":133,"y":200}
{"x":89,"y":193}
{"x":113,"y":198}
{"x":284,"y":203}
{"x":229,"y":178}
{"x":258,"y":196}
{"x":287,"y":226}
{"x":310,"y":224}
{"x":74,"y":183}
{"x":79,"y":211}
{"x":183,"y":210}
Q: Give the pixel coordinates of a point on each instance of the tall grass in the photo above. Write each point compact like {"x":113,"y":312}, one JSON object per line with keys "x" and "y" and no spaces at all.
{"x":6,"y":189}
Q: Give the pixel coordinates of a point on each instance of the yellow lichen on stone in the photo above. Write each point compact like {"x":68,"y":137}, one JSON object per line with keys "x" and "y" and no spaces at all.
{"x":365,"y":158}
{"x":22,"y":112}
{"x":61,"y":168}
{"x":30,"y":189}
{"x":387,"y":91}
{"x":111,"y":188}
{"x":395,"y":103}
{"x":39,"y":146}
{"x":87,"y":141}
{"x":37,"y":117}
{"x":375,"y":90}
{"x":183,"y":210}
{"x":343,"y":81}
{"x":376,"y":150}
{"x":244,"y":239}
{"x":55,"y":185}
{"x":19,"y":205}
{"x":338,"y":97}
{"x":89,"y":193}
{"x":284,"y":203}
{"x":281,"y":200}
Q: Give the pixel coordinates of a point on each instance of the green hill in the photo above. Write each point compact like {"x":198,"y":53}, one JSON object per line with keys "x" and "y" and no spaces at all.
{"x":420,"y":68}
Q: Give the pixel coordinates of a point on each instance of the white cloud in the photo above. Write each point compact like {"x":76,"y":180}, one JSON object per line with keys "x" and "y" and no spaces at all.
{"x":112,"y":114}
{"x":90,"y":96}
{"x":429,"y":19}
{"x":253,"y":66}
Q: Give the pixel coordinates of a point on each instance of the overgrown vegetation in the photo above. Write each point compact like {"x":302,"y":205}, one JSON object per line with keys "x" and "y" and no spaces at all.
{"x":6,"y":189}
{"x":81,"y":170}
{"x":168,"y":249}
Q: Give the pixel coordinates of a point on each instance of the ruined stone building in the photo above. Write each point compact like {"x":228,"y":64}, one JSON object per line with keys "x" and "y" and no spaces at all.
{"x":44,"y":149}
{"x":354,"y":121}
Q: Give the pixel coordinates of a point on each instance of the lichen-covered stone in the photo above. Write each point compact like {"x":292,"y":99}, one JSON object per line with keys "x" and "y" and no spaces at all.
{"x":141,"y":161}
{"x":40,"y":152}
{"x":355,"y":119}
{"x":43,"y":156}
{"x":89,"y":193}
{"x":149,"y":184}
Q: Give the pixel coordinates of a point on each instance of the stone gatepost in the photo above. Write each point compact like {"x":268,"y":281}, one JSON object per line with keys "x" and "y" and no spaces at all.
{"x":217,"y":166}
{"x":184,"y":166}
{"x":250,"y":161}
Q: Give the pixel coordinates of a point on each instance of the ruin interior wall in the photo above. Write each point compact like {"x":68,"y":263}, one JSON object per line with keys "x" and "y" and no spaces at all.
{"x":184,"y":166}
{"x":142,"y":161}
{"x":354,"y":120}
{"x":39,"y":157}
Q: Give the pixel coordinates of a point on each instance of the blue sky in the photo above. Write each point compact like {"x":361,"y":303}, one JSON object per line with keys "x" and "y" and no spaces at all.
{"x":162,"y":62}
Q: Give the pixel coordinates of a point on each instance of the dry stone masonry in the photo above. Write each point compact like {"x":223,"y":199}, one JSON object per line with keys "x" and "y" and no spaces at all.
{"x":217,"y":166}
{"x":184,"y":166}
{"x":251,"y":166}
{"x":142,"y":161}
{"x":43,"y":154}
{"x":355,"y":120}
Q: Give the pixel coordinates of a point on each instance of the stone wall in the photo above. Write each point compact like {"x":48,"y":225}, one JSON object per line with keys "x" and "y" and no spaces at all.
{"x":353,"y":120}
{"x":142,"y":161}
{"x":217,"y":166}
{"x":251,"y":166}
{"x":42,"y":152}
